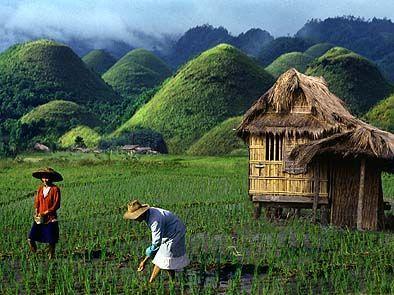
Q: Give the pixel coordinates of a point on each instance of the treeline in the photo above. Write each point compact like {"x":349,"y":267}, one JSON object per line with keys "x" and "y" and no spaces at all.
{"x":372,"y":38}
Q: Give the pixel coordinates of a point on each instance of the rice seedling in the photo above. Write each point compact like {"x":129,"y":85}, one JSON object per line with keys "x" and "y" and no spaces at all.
{"x":230,"y":252}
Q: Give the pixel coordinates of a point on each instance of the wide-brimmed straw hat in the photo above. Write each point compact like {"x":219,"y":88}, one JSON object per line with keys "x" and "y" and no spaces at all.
{"x":135,"y":209}
{"x":47,"y":173}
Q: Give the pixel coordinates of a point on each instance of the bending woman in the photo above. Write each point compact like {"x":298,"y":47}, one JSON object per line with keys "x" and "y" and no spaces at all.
{"x":168,"y":249}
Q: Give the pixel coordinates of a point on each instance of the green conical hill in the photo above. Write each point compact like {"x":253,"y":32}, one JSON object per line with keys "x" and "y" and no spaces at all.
{"x":220,"y":140}
{"x":297,"y":60}
{"x":318,"y":49}
{"x":99,"y":60}
{"x":382,"y":115}
{"x":279,"y":46}
{"x":220,"y":83}
{"x":61,"y":111}
{"x":136,"y":71}
{"x":89,"y":136}
{"x":351,"y":77}
{"x":54,"y":118}
{"x":37,"y":72}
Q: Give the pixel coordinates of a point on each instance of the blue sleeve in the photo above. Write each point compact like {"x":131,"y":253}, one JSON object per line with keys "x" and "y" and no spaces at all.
{"x":151,"y":250}
{"x":157,"y":233}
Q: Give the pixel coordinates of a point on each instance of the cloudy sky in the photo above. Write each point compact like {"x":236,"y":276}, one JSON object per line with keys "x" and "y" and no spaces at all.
{"x":120,"y":19}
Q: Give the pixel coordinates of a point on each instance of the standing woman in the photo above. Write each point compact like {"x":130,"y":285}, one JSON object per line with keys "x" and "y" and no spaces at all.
{"x":168,"y":249}
{"x":45,"y":227}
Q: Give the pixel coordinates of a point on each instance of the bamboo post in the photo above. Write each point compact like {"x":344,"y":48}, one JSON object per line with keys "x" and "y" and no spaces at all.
{"x":316,"y":190}
{"x":361,"y":195}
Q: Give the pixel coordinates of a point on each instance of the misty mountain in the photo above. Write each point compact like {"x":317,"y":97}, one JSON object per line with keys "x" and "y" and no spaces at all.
{"x":371,"y":38}
{"x":195,"y":41}
{"x":83,"y":46}
{"x":200,"y":38}
{"x":253,"y":41}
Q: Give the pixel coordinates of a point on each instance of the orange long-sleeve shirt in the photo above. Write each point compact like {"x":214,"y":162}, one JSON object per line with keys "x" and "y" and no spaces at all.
{"x":50,"y":203}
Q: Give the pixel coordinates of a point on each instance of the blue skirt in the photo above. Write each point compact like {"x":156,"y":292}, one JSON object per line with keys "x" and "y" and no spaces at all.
{"x":45,"y":233}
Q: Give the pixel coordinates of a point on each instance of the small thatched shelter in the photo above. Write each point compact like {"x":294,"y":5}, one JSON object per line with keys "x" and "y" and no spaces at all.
{"x":307,"y":150}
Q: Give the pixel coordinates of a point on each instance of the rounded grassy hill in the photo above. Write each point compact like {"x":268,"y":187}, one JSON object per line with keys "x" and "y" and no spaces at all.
{"x":280,"y":46}
{"x":382,"y":114}
{"x":37,"y":72}
{"x":220,"y":140}
{"x":61,"y":111}
{"x":318,"y":49}
{"x":297,"y":60}
{"x":90,"y":137}
{"x":137,"y":71}
{"x":51,"y":120}
{"x":351,"y":77}
{"x":99,"y":60}
{"x":220,"y":83}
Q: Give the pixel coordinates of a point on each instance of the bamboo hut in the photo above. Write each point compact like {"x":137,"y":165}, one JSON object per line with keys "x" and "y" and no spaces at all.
{"x":306,"y":150}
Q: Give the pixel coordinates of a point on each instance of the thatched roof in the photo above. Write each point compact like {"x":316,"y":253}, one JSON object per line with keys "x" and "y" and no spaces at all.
{"x":364,"y":141}
{"x":273,"y":112}
{"x":333,"y":129}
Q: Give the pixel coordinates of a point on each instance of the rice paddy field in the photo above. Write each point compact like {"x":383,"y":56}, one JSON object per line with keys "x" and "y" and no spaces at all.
{"x":230,"y":252}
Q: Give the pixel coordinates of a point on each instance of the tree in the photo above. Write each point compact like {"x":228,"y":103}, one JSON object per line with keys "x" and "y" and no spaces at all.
{"x":79,"y":142}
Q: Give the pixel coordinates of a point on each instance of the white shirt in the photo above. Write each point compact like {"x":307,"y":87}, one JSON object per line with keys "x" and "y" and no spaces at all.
{"x":45,"y":191}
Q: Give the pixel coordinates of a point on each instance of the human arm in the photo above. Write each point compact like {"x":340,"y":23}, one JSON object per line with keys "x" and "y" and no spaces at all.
{"x":157,"y":232}
{"x":37,"y":202}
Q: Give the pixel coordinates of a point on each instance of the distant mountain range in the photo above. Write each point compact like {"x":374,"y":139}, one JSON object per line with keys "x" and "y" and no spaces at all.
{"x":183,"y":88}
{"x":373,"y":39}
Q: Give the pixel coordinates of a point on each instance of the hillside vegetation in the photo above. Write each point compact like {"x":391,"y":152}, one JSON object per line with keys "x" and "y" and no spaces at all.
{"x":220,"y":140}
{"x":90,"y":137}
{"x":37,"y":72}
{"x":135,"y":72}
{"x":201,"y":38}
{"x":279,"y":46}
{"x":372,"y":38}
{"x":297,"y":60}
{"x":61,"y":111}
{"x":382,"y":115}
{"x":351,"y":77}
{"x":220,"y":83}
{"x":46,"y":123}
{"x":99,"y":60}
{"x":318,"y":49}
{"x":386,"y":65}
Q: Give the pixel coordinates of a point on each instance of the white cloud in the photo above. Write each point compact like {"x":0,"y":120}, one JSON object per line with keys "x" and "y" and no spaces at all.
{"x":118,"y":20}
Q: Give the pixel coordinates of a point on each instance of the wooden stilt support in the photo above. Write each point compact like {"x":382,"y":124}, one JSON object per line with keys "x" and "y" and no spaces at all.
{"x":361,"y":196}
{"x":257,"y":209}
{"x":323,"y":215}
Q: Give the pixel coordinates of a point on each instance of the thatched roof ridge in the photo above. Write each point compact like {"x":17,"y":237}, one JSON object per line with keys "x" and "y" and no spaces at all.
{"x":291,"y":88}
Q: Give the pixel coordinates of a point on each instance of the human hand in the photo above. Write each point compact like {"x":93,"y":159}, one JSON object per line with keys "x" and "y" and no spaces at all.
{"x":141,"y":266}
